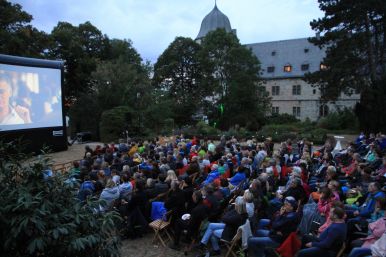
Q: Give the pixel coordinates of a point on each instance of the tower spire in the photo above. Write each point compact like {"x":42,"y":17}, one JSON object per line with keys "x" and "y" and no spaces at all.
{"x":215,"y":3}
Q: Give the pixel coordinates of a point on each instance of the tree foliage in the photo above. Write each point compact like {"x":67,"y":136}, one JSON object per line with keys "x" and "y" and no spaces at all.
{"x":114,"y":122}
{"x":80,"y":47}
{"x":232,"y":71}
{"x":17,"y":35}
{"x":353,"y":34}
{"x":178,"y":73}
{"x":118,"y":81}
{"x":41,"y":215}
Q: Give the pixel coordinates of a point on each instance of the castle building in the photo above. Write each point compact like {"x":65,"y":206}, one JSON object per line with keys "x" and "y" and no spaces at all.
{"x":284,"y":64}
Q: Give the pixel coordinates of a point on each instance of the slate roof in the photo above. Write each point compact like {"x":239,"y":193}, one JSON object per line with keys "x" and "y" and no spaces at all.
{"x":293,"y":52}
{"x":212,"y":21}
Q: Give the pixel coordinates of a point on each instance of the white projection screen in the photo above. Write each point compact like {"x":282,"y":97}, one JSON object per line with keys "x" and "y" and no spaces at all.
{"x":31,"y":102}
{"x":30,"y":97}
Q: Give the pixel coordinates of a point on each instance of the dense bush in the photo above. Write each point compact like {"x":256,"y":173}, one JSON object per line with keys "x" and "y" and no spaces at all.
{"x":279,"y":132}
{"x":282,"y":132}
{"x":114,"y":122}
{"x":204,"y":129}
{"x":316,"y":135}
{"x":40,"y":215}
{"x":340,"y":120}
{"x":283,"y":118}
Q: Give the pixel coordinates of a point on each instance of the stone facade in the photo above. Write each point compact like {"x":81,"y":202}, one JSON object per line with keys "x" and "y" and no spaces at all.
{"x":295,"y":92}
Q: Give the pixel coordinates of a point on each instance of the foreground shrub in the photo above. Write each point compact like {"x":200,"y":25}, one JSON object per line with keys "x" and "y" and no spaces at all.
{"x":41,"y":216}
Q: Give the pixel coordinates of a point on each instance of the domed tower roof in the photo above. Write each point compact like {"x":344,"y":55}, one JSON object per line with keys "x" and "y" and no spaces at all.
{"x":212,"y":21}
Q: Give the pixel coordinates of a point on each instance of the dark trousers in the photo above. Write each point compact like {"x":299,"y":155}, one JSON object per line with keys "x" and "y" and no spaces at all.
{"x":179,"y":226}
{"x":315,"y":252}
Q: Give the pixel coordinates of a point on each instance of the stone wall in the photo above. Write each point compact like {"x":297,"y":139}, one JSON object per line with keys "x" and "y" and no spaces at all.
{"x":308,"y":100}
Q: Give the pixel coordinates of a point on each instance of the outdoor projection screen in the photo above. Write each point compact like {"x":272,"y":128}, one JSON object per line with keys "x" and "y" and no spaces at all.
{"x":31,"y":102}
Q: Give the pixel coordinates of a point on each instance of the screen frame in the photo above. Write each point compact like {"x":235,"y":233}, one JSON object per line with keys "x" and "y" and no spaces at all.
{"x":47,"y":135}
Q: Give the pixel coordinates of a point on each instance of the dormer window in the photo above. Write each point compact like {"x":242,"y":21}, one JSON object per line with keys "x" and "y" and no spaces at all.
{"x":287,"y":68}
{"x":305,"y":67}
{"x":271,"y":69}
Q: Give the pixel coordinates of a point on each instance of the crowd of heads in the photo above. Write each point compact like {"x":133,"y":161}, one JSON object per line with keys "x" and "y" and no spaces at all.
{"x":215,"y":181}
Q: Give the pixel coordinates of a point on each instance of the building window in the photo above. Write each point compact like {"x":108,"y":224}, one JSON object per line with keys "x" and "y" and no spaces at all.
{"x":271,"y":69}
{"x":323,"y":66}
{"x":296,"y":111}
{"x":323,"y":110}
{"x":275,"y":110}
{"x":275,"y":90}
{"x":306,"y":50}
{"x":273,"y":53}
{"x":287,"y":68}
{"x":305,"y":67}
{"x":296,"y":90}
{"x":314,"y":91}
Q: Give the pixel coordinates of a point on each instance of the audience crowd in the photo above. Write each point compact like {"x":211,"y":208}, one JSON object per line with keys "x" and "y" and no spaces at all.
{"x":294,"y":198}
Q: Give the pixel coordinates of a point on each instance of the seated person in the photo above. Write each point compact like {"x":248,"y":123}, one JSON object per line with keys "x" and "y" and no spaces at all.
{"x":364,"y":211}
{"x":227,"y":229}
{"x":238,"y":177}
{"x":375,"y":230}
{"x":175,"y":201}
{"x":109,"y":194}
{"x":285,"y":223}
{"x":330,"y":241}
{"x":192,"y":224}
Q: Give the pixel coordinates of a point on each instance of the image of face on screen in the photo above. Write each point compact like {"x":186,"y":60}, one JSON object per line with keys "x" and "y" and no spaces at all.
{"x":8,"y":114}
{"x":30,"y":97}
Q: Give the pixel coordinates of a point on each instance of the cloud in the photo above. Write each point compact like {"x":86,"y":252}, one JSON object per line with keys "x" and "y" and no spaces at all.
{"x":153,"y":24}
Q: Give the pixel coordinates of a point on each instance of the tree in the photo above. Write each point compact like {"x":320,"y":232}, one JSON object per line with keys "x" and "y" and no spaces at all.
{"x":178,"y":72}
{"x":119,"y":81}
{"x":17,"y":35}
{"x":80,"y":47}
{"x":231,"y":72}
{"x":353,"y":33}
{"x":41,"y":216}
{"x":159,"y":112}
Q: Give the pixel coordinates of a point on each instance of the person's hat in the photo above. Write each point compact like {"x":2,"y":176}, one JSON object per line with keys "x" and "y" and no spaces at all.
{"x":291,"y":201}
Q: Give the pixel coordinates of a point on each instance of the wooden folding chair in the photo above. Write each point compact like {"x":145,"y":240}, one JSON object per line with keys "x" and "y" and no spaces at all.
{"x":160,"y":227}
{"x":233,"y":245}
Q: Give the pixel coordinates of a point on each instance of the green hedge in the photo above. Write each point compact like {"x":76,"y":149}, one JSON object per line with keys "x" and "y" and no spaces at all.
{"x":340,"y":120}
{"x":282,"y":132}
{"x":113,"y":123}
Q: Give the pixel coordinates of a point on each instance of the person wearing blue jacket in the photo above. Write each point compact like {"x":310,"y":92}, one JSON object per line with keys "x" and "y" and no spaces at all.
{"x":86,"y":189}
{"x":368,"y":207}
{"x":238,"y":177}
{"x":213,"y":174}
{"x":330,"y":241}
{"x":374,"y":192}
